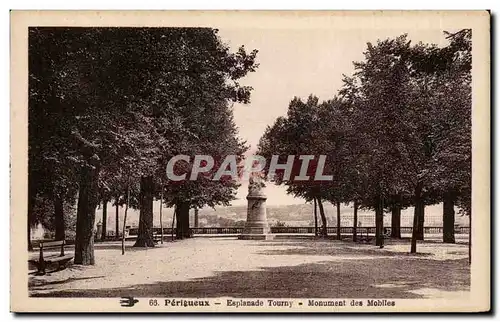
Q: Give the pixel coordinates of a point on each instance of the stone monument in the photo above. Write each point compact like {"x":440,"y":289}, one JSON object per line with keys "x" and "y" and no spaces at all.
{"x":256,"y":227}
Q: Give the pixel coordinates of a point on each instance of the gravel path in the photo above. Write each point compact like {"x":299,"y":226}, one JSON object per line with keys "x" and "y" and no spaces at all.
{"x":216,"y":267}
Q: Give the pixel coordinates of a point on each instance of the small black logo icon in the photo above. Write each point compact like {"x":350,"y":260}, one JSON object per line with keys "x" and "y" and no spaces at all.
{"x":128,"y":301}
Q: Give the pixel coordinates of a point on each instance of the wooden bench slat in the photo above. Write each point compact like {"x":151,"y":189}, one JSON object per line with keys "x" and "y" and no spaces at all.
{"x":52,"y":259}
{"x":52,"y":243}
{"x":56,"y":259}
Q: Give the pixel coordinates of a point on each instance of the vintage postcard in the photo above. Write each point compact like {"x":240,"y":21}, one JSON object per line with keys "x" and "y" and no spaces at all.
{"x":237,"y":161}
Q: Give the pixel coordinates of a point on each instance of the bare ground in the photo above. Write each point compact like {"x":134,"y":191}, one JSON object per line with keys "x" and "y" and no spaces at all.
{"x":298,"y":268}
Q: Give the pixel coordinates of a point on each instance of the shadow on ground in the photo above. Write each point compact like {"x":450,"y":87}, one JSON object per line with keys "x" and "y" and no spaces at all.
{"x":348,"y":241}
{"x":128,"y":247}
{"x":395,"y":275}
{"x":335,"y":248}
{"x":39,"y":285}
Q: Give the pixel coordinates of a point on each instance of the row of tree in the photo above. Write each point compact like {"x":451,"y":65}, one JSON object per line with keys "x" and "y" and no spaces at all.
{"x":398,"y":134}
{"x":108,"y":107}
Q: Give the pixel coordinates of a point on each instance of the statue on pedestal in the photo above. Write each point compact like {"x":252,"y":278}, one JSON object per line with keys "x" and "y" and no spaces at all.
{"x":256,"y":226}
{"x":256,"y":183}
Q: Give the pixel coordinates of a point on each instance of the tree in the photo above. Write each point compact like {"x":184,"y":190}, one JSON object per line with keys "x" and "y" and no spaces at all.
{"x":145,"y":233}
{"x":451,"y":76}
{"x":83,"y":91}
{"x":404,"y":133}
{"x":125,"y":217}
{"x":394,"y":204}
{"x":295,"y":135}
{"x":443,"y":77}
{"x":382,"y":126}
{"x":397,"y":134}
{"x":104,"y":219}
{"x":204,"y":91}
{"x":104,"y":99}
{"x":355,"y":223}
{"x":333,"y":136}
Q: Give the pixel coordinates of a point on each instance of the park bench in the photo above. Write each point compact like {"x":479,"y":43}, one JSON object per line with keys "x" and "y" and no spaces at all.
{"x":60,"y":258}
{"x":156,"y":238}
{"x":364,"y":238}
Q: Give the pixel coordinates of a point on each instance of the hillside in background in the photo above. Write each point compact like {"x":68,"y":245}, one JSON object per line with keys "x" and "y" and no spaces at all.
{"x":291,"y":215}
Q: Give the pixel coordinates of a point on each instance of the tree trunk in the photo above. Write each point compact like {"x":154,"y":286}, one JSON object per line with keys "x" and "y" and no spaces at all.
{"x":145,"y":233}
{"x":355,"y":223}
{"x":161,"y":214}
{"x":379,"y":223}
{"x":31,"y":200}
{"x":315,"y":218}
{"x":59,"y":218}
{"x":30,"y":245}
{"x":413,"y":248}
{"x":470,"y":238}
{"x":448,"y":219}
{"x":125,"y":217}
{"x":323,"y":231}
{"x":117,"y":218}
{"x":420,"y":223}
{"x":182,"y":220}
{"x":173,"y":222}
{"x":416,"y":214}
{"x":104,"y":219}
{"x":196,"y":223}
{"x":31,"y":205}
{"x":396,"y":222}
{"x":85,"y":217}
{"x":339,"y":236}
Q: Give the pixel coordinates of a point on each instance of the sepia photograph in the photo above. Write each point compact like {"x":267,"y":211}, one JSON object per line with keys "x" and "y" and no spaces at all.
{"x":250,"y":161}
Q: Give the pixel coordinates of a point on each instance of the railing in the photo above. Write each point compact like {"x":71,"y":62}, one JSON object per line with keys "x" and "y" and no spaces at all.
{"x":297,"y":230}
{"x":217,"y":230}
{"x":292,"y":230}
{"x":195,"y":231}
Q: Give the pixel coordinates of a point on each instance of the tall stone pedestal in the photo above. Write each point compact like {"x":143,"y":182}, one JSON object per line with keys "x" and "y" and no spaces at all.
{"x":256,"y":227}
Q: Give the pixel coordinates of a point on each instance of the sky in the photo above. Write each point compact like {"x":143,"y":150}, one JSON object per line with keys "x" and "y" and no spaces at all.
{"x":295,"y":62}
